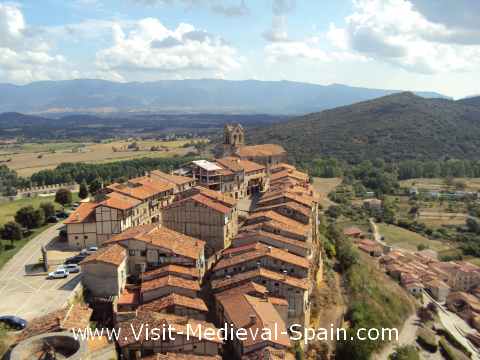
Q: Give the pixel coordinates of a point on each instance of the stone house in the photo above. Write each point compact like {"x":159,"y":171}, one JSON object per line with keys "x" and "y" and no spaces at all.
{"x":134,"y":344}
{"x":104,"y":273}
{"x":295,"y":291}
{"x":254,"y":314}
{"x":256,"y":234}
{"x":205,"y":214}
{"x":157,"y":288}
{"x":177,"y":304}
{"x":253,"y":256}
{"x":152,"y":246}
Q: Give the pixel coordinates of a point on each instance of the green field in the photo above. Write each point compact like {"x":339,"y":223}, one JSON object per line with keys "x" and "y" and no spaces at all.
{"x":408,"y":240}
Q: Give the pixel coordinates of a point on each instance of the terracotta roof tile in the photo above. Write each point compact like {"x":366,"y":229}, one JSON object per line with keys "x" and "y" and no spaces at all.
{"x":171,"y":269}
{"x":302,"y":209}
{"x":174,"y":300}
{"x":236,"y":164}
{"x":84,"y":213}
{"x":119,"y":201}
{"x":259,"y":251}
{"x":181,"y":356}
{"x":251,"y":288}
{"x":131,"y":329}
{"x":260,"y":150}
{"x":260,"y":273}
{"x":254,"y":231}
{"x":169,"y":280}
{"x":129,"y":297}
{"x":273,"y":216}
{"x":112,"y":254}
{"x":253,"y":313}
{"x":295,"y":174}
{"x":177,"y":243}
{"x":174,"y":179}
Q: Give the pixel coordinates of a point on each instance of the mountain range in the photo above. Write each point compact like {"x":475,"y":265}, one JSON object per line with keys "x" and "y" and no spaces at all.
{"x":182,"y":96}
{"x":394,"y":127}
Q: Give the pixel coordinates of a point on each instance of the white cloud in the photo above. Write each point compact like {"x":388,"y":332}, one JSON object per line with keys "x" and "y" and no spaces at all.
{"x":149,"y":47}
{"x":24,"y":55}
{"x":394,"y":31}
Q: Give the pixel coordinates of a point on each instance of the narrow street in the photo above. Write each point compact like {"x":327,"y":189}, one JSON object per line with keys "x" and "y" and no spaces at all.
{"x":29,"y":296}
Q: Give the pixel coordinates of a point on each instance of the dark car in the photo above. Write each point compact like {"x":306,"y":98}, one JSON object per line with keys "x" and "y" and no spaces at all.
{"x":75,"y":259}
{"x":13,"y":322}
{"x":61,"y":214}
{"x":53,"y":219}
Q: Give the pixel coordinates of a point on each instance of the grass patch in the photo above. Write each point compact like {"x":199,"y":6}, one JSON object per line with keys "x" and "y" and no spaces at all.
{"x":406,"y":239}
{"x":6,"y":255}
{"x":371,"y":293}
{"x":9,"y":208}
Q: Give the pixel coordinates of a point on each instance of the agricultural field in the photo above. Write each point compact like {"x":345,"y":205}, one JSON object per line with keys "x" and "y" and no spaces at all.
{"x":409,"y":240}
{"x":472,"y":184}
{"x":29,"y":158}
{"x":324,"y":186}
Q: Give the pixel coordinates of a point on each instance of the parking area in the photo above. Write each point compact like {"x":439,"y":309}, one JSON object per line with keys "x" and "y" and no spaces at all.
{"x":29,"y":296}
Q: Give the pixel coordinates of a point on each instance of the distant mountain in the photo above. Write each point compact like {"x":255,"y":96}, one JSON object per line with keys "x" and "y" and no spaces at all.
{"x":185,"y":96}
{"x":474,"y":101}
{"x":395,"y":127}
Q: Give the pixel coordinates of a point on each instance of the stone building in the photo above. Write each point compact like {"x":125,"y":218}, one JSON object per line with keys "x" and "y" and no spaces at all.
{"x":152,"y":246}
{"x":204,"y":214}
{"x":253,"y":313}
{"x":294,"y":290}
{"x":104,"y":273}
{"x":253,"y":256}
{"x":134,"y":344}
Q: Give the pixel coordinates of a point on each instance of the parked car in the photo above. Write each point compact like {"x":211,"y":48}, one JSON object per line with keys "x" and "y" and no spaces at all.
{"x":58,"y":274}
{"x":89,"y":250}
{"x":75,"y":259}
{"x":53,"y":219}
{"x":61,"y":214}
{"x":71,"y":268}
{"x":13,"y":322}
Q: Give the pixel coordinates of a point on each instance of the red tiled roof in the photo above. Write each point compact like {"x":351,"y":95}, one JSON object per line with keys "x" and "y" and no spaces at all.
{"x":254,"y":314}
{"x":352,"y":231}
{"x":112,"y":254}
{"x":180,"y":356}
{"x":260,"y":150}
{"x":256,"y":230}
{"x":260,"y":272}
{"x":174,"y":300}
{"x":251,"y":288}
{"x":119,"y":201}
{"x":302,"y":209}
{"x":174,"y":179}
{"x":177,"y":243}
{"x":84,"y":213}
{"x":128,"y":297}
{"x":258,"y":251}
{"x":172,"y":269}
{"x":132,"y":334}
{"x":273,"y":216}
{"x":169,"y":280}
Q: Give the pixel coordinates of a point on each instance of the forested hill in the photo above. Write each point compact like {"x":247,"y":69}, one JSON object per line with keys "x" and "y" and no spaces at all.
{"x":395,"y":127}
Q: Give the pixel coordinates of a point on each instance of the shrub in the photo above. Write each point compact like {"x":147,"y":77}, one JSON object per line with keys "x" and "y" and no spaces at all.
{"x":426,"y":338}
{"x":406,"y":352}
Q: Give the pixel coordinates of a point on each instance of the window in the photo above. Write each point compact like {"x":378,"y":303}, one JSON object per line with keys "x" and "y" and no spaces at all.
{"x":131,"y":252}
{"x":76,"y":237}
{"x":85,"y":237}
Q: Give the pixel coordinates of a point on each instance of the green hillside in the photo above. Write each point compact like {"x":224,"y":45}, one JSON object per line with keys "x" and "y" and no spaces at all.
{"x":395,"y":127}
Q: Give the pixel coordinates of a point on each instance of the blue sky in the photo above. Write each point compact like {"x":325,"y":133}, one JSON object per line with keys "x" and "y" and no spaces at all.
{"x":397,"y":44}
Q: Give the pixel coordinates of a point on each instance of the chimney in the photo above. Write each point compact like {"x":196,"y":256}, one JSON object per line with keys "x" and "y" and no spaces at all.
{"x":253,"y":319}
{"x":269,"y":249}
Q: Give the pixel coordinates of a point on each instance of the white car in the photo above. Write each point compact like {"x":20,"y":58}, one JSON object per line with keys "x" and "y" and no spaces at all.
{"x":71,"y":268}
{"x":58,"y":274}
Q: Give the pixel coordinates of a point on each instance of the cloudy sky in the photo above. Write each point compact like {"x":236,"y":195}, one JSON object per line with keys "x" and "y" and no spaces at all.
{"x":396,"y":44}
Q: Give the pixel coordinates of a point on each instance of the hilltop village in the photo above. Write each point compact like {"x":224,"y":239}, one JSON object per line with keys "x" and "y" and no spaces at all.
{"x":231,"y":240}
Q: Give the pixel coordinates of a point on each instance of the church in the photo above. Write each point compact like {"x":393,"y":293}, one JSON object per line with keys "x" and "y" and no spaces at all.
{"x":269,"y":155}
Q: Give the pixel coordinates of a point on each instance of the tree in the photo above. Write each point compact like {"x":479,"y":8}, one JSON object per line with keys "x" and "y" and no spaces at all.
{"x":95,"y":186}
{"x":48,"y":209}
{"x":63,"y":197}
{"x":29,"y":217}
{"x":473,"y":226}
{"x":83,"y":191}
{"x":11,"y":231}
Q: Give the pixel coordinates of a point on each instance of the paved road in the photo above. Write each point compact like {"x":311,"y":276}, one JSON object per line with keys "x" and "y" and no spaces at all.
{"x":32,"y":296}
